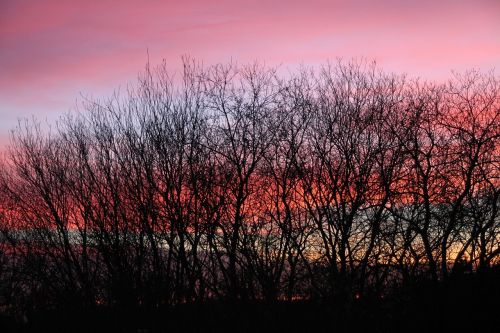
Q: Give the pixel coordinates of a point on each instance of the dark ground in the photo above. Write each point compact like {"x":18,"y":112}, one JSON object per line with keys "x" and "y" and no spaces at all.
{"x":467,"y":302}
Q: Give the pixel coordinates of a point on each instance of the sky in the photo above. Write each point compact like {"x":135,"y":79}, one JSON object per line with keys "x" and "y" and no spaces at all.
{"x":54,"y":52}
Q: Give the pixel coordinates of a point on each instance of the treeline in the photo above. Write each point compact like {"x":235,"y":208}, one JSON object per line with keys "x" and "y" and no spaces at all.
{"x":238,"y":183}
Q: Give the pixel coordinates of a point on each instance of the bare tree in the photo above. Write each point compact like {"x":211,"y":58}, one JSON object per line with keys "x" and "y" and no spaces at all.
{"x":238,"y":183}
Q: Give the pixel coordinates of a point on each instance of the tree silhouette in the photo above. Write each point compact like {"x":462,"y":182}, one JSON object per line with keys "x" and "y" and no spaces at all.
{"x":238,"y":185}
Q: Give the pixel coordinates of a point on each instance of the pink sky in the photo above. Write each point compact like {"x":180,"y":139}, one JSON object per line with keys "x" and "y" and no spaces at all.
{"x":52,"y":52}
